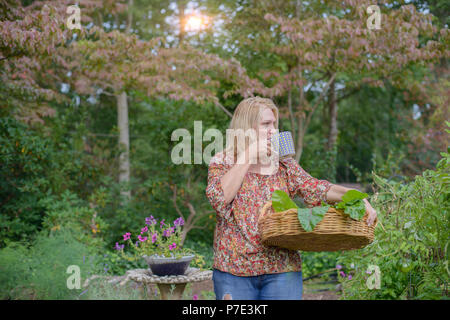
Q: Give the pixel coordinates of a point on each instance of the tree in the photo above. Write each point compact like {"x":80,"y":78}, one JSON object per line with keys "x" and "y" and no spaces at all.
{"x":332,"y":45}
{"x":27,"y":43}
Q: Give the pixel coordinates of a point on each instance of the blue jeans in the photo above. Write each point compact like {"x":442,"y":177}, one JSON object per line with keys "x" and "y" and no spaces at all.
{"x":276,"y":286}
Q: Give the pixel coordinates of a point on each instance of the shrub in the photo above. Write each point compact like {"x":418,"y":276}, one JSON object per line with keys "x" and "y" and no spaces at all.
{"x":39,"y":271}
{"x":316,"y":262}
{"x":68,"y":211}
{"x":24,"y":160}
{"x":411,"y":240}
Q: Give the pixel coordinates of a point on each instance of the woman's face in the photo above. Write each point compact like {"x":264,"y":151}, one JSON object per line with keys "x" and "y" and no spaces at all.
{"x":266,"y":126}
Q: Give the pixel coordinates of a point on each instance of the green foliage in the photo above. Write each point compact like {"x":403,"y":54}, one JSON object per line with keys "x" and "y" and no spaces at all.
{"x":67,"y":210}
{"x":282,"y":202}
{"x":411,"y":241}
{"x":39,"y":271}
{"x":115,"y":264}
{"x":316,"y":160}
{"x":24,"y":160}
{"x":316,"y":262}
{"x":353,"y":204}
{"x":101,"y":289}
{"x":204,"y":254}
{"x":310,"y":217}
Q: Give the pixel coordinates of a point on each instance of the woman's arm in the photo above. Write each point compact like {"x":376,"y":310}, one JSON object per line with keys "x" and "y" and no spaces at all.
{"x":336,"y":192}
{"x":312,"y":190}
{"x":232,"y":180}
{"x":335,"y":195}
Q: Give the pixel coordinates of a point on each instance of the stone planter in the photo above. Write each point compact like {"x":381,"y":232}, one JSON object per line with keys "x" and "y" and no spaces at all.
{"x":163,"y":266}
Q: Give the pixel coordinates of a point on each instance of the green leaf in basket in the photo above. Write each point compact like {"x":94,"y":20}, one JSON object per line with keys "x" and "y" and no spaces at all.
{"x":352,"y":203}
{"x":281,"y":201}
{"x":355,"y":209}
{"x":310,"y":217}
{"x":351,"y":195}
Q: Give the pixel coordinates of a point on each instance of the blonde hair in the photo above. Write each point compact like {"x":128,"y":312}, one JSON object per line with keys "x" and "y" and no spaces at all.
{"x":247,"y":116}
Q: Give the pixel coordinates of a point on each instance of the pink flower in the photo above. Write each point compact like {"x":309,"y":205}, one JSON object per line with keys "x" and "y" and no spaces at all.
{"x":195,"y":297}
{"x":172,"y":246}
{"x":126,"y":236}
{"x":145,"y":229}
{"x":342,"y":274}
{"x":142,"y":238}
{"x":154,"y":236}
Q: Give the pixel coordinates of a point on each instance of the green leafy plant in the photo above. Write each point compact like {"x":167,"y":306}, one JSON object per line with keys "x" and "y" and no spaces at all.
{"x":411,"y":246}
{"x":352,"y":204}
{"x":38,"y":269}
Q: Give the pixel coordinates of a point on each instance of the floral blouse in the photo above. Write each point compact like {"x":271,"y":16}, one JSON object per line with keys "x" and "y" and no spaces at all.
{"x":237,"y":244}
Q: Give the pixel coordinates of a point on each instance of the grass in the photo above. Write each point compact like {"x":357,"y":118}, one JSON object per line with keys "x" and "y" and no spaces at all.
{"x":101,"y":289}
{"x":316,"y":285}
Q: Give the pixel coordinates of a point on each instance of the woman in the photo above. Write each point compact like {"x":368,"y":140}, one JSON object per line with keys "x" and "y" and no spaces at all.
{"x":238,"y":186}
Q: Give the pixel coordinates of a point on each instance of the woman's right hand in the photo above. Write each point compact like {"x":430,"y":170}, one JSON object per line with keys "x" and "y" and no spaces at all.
{"x":256,"y":152}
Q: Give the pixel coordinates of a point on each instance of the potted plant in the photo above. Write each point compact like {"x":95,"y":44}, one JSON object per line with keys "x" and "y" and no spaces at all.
{"x":160,"y":246}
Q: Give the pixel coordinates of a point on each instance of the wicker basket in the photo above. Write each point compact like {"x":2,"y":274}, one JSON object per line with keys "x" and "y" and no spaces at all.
{"x":337,"y":231}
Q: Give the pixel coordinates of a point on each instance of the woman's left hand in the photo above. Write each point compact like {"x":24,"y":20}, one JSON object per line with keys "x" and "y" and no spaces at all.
{"x":372,"y":213}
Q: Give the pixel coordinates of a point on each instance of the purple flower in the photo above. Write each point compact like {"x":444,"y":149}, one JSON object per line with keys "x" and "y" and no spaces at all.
{"x":172,"y":246}
{"x":168,"y":232}
{"x":150,"y":220}
{"x":136,"y":244}
{"x":195,"y":297}
{"x":178,"y":222}
{"x":142,"y":238}
{"x":342,"y":274}
{"x":349,"y":277}
{"x":162,"y":223}
{"x":369,"y":272}
{"x":145,"y":229}
{"x":339,"y":267}
{"x":126,"y":236}
{"x":118,"y":246}
{"x":154,"y":237}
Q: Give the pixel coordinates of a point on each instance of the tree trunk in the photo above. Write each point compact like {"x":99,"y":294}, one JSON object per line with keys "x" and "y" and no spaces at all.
{"x":181,"y":8}
{"x":301,"y":125}
{"x":122,"y":123}
{"x":291,"y":115}
{"x":300,"y":137}
{"x":333,"y":111}
{"x":124,"y":142}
